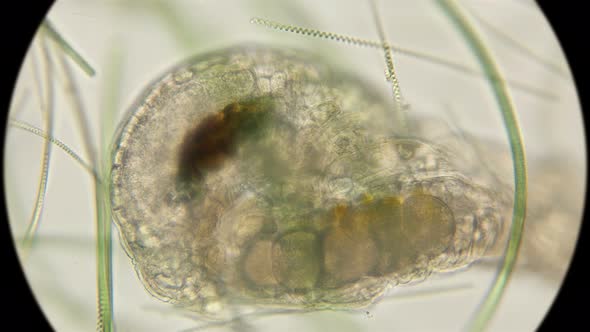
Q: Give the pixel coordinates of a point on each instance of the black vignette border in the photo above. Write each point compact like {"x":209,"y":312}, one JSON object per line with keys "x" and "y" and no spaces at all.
{"x":20,"y":20}
{"x":568,"y":23}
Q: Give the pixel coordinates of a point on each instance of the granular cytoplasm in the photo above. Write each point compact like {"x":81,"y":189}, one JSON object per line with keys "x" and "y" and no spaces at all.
{"x":261,"y":176}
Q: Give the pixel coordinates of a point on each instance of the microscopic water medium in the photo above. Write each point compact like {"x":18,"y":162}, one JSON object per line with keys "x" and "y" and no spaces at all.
{"x":266,"y":165}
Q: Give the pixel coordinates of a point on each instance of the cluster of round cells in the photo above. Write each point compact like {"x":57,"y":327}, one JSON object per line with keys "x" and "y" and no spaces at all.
{"x":376,"y":238}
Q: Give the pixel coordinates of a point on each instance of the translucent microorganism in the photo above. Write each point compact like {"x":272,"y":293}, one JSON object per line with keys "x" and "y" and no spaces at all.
{"x":260,"y":175}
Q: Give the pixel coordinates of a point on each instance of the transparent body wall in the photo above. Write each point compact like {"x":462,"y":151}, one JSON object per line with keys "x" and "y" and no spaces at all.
{"x":259,"y":179}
